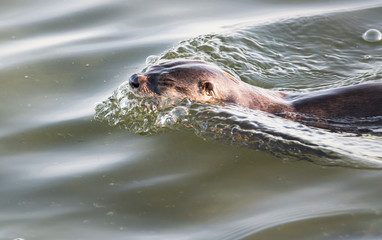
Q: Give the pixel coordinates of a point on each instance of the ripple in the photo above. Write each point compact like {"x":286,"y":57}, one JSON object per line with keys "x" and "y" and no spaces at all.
{"x":27,"y":16}
{"x":240,"y":126}
{"x":72,"y":164}
{"x":272,"y":219}
{"x":25,"y":50}
{"x":298,"y":55}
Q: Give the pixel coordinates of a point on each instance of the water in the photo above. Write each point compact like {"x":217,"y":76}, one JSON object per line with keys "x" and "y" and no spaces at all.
{"x":65,"y":175}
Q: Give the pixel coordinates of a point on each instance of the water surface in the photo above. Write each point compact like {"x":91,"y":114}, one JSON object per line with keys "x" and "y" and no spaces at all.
{"x":65,"y":175}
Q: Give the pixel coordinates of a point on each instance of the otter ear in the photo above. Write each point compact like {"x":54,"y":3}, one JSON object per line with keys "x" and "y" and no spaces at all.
{"x":207,"y":88}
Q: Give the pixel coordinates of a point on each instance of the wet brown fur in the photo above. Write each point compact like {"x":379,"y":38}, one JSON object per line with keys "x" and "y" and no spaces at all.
{"x":205,"y":82}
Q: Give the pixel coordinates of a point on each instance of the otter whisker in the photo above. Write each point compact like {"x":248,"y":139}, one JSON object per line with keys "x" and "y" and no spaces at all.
{"x":167,"y":82}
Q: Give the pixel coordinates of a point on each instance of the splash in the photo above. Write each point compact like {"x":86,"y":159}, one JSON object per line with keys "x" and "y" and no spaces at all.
{"x":240,"y":127}
{"x":139,"y":115}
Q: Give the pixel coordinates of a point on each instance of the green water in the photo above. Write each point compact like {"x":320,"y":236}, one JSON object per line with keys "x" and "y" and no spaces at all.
{"x":65,"y":175}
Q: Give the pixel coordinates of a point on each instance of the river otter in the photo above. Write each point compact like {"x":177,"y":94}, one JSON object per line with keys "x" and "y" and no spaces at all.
{"x":204,"y":82}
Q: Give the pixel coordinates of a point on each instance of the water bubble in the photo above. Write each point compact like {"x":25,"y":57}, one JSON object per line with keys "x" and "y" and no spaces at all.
{"x":372,"y":35}
{"x":152,"y":59}
{"x":367,"y":57}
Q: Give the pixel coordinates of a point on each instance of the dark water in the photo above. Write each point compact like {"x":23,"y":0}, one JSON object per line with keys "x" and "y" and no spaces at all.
{"x":65,"y":175}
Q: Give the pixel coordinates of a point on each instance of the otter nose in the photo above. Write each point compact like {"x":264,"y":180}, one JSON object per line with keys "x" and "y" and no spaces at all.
{"x":133,"y":81}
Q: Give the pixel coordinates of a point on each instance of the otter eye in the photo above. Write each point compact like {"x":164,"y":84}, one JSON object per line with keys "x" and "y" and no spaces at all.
{"x":206,"y":88}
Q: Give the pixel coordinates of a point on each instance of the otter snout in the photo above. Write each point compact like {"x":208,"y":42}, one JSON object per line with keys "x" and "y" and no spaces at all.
{"x":141,"y":85}
{"x":134,"y":81}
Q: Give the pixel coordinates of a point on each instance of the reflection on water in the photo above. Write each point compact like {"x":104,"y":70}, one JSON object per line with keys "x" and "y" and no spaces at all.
{"x":67,"y":176}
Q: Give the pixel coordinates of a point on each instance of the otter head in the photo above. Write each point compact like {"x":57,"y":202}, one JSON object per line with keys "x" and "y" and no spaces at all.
{"x":195,"y":80}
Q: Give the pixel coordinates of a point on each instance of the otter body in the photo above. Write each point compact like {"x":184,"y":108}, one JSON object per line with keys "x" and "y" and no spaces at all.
{"x":205,"y":82}
{"x":364,"y":100}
